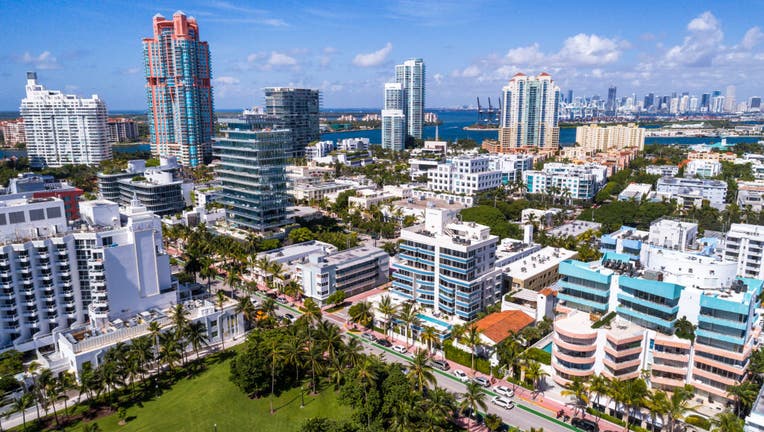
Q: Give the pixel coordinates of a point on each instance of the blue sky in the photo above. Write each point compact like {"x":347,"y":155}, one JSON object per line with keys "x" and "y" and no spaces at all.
{"x":348,"y":49}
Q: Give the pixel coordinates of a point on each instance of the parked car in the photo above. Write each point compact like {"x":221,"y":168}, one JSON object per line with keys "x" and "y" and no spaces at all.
{"x":440,"y":364}
{"x":290,"y":317}
{"x":281,"y":299}
{"x":461,"y":376}
{"x":481,"y":381}
{"x":384,"y":342}
{"x":400,"y":349}
{"x":585,"y":424}
{"x":502,"y":402}
{"x":369,"y":336}
{"x":504,"y":391}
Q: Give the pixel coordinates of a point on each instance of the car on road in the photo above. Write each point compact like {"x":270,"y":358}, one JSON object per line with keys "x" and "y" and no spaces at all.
{"x":461,"y":376}
{"x":290,"y":317}
{"x":369,"y":336}
{"x":504,"y":391}
{"x":400,"y":349}
{"x":585,"y":424}
{"x":439,"y":364}
{"x":384,"y":342}
{"x":281,"y":299}
{"x":481,"y":381}
{"x":502,"y":402}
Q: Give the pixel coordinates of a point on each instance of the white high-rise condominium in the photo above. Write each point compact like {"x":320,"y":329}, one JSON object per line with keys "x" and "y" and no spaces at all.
{"x":411,"y":75}
{"x":530,"y":112}
{"x":63,"y":129}
{"x":394,"y":96}
{"x":393,"y":129}
{"x":729,"y":100}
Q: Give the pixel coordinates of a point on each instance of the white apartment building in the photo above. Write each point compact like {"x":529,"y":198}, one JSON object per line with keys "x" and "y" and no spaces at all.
{"x":394,"y":96}
{"x":511,"y":166}
{"x":393,"y":130}
{"x":419,"y":167}
{"x":530,"y":113}
{"x":25,"y":218}
{"x":319,"y":149}
{"x":56,"y":280}
{"x":464,"y":175}
{"x":353,"y":271}
{"x":447,"y":266}
{"x":603,"y":138}
{"x":353,"y":144}
{"x":567,"y":180}
{"x":63,"y":129}
{"x":635,"y":191}
{"x":703,"y":168}
{"x":662,"y":170}
{"x":745,"y":245}
{"x":692,"y":192}
{"x":317,"y":192}
{"x":750,"y":194}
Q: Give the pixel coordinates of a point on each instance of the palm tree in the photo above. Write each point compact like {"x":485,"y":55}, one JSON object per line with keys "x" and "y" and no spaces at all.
{"x":634,"y":392}
{"x":314,"y":355}
{"x":744,"y":394}
{"x":474,"y":400}
{"x":439,"y":406}
{"x":294,"y":354}
{"x":268,"y":307}
{"x":352,"y":352}
{"x":220,"y":299}
{"x":429,"y":337}
{"x":419,"y":374}
{"x":578,"y":389}
{"x":141,"y":349}
{"x":208,"y":271}
{"x":312,"y":312}
{"x":247,"y":309}
{"x":366,"y":374}
{"x":196,"y":334}
{"x":388,"y":309}
{"x":727,"y":421}
{"x":21,"y":404}
{"x":679,"y":404}
{"x":293,"y":289}
{"x":473,"y":340}
{"x":493,"y":422}
{"x":330,"y":338}
{"x":169,"y":350}
{"x":535,"y":374}
{"x":362,"y":313}
{"x":598,"y":385}
{"x":275,"y":355}
{"x":65,"y":383}
{"x":408,"y":314}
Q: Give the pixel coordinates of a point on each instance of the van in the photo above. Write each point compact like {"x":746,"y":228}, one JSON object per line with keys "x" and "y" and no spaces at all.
{"x":440,"y":364}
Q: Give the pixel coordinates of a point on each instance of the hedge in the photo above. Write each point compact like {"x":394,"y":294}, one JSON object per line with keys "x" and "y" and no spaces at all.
{"x":696,"y":420}
{"x":615,"y":420}
{"x":465,"y":359}
{"x":539,"y":355}
{"x":604,"y":320}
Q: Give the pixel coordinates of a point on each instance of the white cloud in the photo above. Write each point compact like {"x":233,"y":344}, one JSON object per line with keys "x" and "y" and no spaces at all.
{"x":44,"y":61}
{"x":375,"y":58}
{"x":583,"y":49}
{"x":701,"y":45}
{"x":225,"y":80}
{"x":278,"y":59}
{"x":438,"y":77}
{"x":752,"y":38}
{"x":131,"y":71}
{"x":530,"y":55}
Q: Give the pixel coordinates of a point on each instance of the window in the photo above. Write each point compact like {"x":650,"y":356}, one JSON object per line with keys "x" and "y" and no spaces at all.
{"x":36,"y":214}
{"x":16,"y":217}
{"x":2,"y":219}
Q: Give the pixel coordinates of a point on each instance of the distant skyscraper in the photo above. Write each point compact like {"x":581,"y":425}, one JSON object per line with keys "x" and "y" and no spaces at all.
{"x":529,"y":113}
{"x":570,"y":96}
{"x":411,"y":75}
{"x":729,"y":100}
{"x":393,"y":129}
{"x":394,"y":96}
{"x":179,"y":91}
{"x":63,"y":129}
{"x":649,"y":101}
{"x":611,"y":105}
{"x":297,"y":110}
{"x":705,"y":101}
{"x":754,"y":104}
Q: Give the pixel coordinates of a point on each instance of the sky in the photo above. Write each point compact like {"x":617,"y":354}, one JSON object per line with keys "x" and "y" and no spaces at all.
{"x":349,"y":49}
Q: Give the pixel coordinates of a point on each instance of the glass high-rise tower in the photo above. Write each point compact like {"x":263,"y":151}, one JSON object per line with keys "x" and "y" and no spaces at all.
{"x":179,"y":91}
{"x":297,"y":110}
{"x":411,"y":76}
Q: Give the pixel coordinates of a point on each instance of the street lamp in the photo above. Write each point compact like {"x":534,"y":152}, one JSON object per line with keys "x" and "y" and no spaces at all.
{"x":216,"y":427}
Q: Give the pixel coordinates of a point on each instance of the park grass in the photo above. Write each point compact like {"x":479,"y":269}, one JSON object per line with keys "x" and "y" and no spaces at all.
{"x":200,"y":402}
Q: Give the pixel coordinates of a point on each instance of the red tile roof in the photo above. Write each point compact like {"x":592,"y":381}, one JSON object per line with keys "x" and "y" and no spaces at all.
{"x":497,"y":326}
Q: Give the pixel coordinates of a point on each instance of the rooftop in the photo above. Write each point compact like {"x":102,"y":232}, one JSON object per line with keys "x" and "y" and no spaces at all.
{"x":538,"y":262}
{"x":498,"y":326}
{"x":574,"y":228}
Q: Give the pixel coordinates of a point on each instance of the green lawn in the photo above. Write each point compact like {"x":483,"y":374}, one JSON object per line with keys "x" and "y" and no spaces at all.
{"x":197,"y":404}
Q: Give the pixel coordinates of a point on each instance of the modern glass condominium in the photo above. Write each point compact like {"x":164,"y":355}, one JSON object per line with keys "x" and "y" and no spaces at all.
{"x":252,"y":173}
{"x":178,"y":89}
{"x":297,"y":110}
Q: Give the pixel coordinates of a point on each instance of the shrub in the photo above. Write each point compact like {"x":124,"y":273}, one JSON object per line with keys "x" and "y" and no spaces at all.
{"x":539,"y":355}
{"x":465,"y":359}
{"x":698,"y":421}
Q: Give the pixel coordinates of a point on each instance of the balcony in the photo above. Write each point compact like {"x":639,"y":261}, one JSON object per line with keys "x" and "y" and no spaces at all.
{"x":670,"y":369}
{"x":574,"y":346}
{"x":684,"y":358}
{"x":622,"y":353}
{"x":665,"y":382}
{"x":618,"y":365}
{"x":26,"y":271}
{"x":23,"y":259}
{"x":43,"y":255}
{"x":63,"y":252}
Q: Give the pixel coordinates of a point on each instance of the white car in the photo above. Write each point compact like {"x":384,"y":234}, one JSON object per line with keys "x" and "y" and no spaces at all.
{"x":400,"y":349}
{"x":502,"y":402}
{"x":504,"y":391}
{"x":461,"y":376}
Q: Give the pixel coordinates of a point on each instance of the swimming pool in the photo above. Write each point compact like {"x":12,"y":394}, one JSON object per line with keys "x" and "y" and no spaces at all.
{"x":548,"y":347}
{"x":435,"y":321}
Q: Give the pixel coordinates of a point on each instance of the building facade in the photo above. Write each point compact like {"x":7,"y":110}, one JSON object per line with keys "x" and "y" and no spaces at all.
{"x":253,"y":177}
{"x":598,"y":138}
{"x":63,"y":129}
{"x":703,"y":168}
{"x":13,"y":132}
{"x":447,"y":266}
{"x":297,"y":110}
{"x":179,"y":90}
{"x":692,"y":192}
{"x":580,"y":182}
{"x":352,"y":271}
{"x":159,"y":189}
{"x":393,"y":130}
{"x":530,"y":113}
{"x":464,"y":175}
{"x":122,"y":130}
{"x":745,"y":244}
{"x":411,"y":76}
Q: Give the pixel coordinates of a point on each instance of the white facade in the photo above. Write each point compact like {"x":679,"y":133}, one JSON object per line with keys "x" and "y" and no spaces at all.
{"x":463,"y":175}
{"x":31,"y":218}
{"x":353,"y":144}
{"x":635,"y":191}
{"x":745,"y":245}
{"x":394,"y":96}
{"x":411,"y":76}
{"x":511,"y":166}
{"x":692,"y":192}
{"x":353,"y":271}
{"x":63,"y":129}
{"x":319,"y":149}
{"x":662,"y":170}
{"x":703,"y":168}
{"x":672,"y":234}
{"x":750,"y":194}
{"x":568,"y":180}
{"x":598,"y":138}
{"x":393,"y":130}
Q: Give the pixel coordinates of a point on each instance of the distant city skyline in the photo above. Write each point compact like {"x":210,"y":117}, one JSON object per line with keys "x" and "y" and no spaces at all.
{"x":347,"y":50}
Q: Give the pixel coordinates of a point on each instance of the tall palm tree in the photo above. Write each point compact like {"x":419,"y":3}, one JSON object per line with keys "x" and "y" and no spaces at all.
{"x":419,"y":374}
{"x":21,"y":404}
{"x":472,"y":336}
{"x":599,"y":386}
{"x":314,"y":356}
{"x":275,"y":356}
{"x":727,"y":421}
{"x":268,"y":307}
{"x":744,"y":394}
{"x":196,"y":334}
{"x":312,"y":312}
{"x":429,"y":337}
{"x":294,"y":354}
{"x":141,"y":349}
{"x":534,"y":373}
{"x":408,"y":314}
{"x":330,"y":338}
{"x":169,"y":350}
{"x":633,"y":396}
{"x":388,"y":309}
{"x":679,"y":404}
{"x":220,"y":299}
{"x":366,"y":375}
{"x":577,"y":388}
{"x":352,"y":352}
{"x":247,"y":309}
{"x":208,"y":271}
{"x":474,"y":400}
{"x":362,"y":313}
{"x":439,"y":406}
